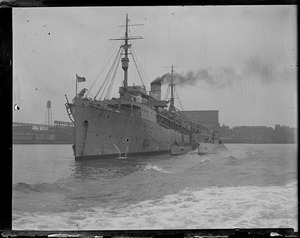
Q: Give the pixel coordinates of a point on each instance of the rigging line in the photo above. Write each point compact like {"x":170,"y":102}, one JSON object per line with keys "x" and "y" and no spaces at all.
{"x":180,"y":105}
{"x":103,"y":84}
{"x":108,"y":79}
{"x":103,"y":68}
{"x":143,"y":72}
{"x":110,"y":72}
{"x":178,"y":98}
{"x":136,"y":65}
{"x":145,"y":76}
{"x":89,"y":93}
{"x":113,"y":77}
{"x":112,"y":47}
{"x":142,"y":69}
{"x":133,"y":56}
{"x":107,"y":76}
{"x":114,"y":73}
{"x":167,"y":93}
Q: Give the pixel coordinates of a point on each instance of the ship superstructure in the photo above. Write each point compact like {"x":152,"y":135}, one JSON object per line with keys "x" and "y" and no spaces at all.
{"x":135,"y":123}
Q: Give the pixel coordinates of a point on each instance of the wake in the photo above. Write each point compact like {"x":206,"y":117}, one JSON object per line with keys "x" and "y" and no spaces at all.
{"x":149,"y":167}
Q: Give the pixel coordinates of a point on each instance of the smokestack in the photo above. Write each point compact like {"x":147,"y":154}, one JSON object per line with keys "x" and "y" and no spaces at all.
{"x":156,"y":88}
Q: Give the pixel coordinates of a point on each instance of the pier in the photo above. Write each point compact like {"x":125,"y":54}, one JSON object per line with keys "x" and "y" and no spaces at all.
{"x":59,"y":133}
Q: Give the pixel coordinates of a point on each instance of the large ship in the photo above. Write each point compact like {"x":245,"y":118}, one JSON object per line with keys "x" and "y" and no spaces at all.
{"x":136,"y":123}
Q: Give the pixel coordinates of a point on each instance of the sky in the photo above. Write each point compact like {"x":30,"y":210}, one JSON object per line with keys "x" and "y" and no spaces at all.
{"x":239,"y":60}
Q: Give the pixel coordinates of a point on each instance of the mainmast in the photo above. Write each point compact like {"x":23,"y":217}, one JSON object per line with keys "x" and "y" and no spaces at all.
{"x":172,"y":107}
{"x":172,"y":86}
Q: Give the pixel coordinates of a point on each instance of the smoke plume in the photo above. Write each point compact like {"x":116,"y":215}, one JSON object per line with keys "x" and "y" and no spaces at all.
{"x":218,"y":78}
{"x":258,"y":68}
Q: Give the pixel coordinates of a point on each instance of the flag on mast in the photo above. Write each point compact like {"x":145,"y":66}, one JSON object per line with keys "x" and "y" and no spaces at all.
{"x":80,"y":79}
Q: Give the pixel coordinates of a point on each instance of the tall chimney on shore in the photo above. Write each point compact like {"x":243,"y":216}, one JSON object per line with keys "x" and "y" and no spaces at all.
{"x":48,"y":120}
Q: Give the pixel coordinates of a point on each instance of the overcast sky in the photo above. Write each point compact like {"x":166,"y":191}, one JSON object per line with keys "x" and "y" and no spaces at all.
{"x":240,"y":60}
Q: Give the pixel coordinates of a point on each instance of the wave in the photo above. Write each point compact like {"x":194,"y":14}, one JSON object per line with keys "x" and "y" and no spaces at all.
{"x":231,"y":157}
{"x":226,"y":207}
{"x":149,"y":167}
{"x":232,"y":160}
{"x":204,"y":161}
{"x":41,"y":187}
{"x":243,"y":156}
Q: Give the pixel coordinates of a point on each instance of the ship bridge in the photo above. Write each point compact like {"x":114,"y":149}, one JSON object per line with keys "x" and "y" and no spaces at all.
{"x":134,"y":90}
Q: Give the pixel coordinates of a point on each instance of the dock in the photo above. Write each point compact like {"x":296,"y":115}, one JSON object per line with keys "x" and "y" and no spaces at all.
{"x":59,"y":133}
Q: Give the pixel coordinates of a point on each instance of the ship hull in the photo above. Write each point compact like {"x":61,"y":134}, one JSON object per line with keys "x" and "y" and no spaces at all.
{"x":181,"y":149}
{"x":101,"y":133}
{"x":122,"y":155}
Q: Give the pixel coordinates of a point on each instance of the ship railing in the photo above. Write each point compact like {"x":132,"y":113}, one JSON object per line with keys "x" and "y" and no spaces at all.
{"x":169,"y":123}
{"x":99,"y":106}
{"x":118,"y":108}
{"x":130,"y":111}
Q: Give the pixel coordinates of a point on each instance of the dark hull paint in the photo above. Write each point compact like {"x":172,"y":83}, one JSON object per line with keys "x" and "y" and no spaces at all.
{"x":43,"y":142}
{"x":108,"y":156}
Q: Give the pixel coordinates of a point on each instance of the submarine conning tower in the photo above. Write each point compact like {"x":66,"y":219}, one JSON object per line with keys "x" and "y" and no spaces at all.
{"x":156,"y":88}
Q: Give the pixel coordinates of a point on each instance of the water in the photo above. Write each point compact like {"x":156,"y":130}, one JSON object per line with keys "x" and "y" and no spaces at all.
{"x":246,"y":186}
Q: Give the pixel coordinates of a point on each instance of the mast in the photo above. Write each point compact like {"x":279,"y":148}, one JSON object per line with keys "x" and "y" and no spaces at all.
{"x":126,"y":46}
{"x":172,"y":86}
{"x":172,"y":90}
{"x":125,"y":59}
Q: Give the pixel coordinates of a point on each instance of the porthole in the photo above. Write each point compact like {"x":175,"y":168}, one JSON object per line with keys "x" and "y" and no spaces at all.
{"x":127,"y":140}
{"x":85,"y":122}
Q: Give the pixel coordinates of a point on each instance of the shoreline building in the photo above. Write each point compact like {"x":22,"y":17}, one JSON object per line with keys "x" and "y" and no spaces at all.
{"x":208,"y":118}
{"x":59,"y":133}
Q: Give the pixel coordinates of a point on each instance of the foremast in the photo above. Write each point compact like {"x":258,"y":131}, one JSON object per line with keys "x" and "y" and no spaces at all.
{"x":126,"y":46}
{"x":125,"y":59}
